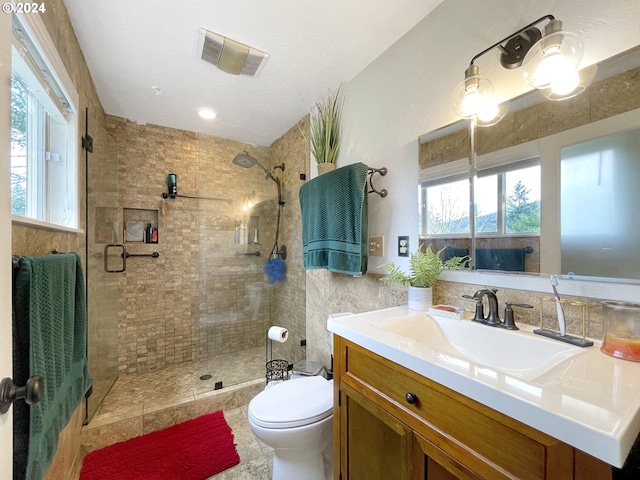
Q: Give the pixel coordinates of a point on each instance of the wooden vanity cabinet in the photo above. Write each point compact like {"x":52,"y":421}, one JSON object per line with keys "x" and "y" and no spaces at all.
{"x":437,"y":433}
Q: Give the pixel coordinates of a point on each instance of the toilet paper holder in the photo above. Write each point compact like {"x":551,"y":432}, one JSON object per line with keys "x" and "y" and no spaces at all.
{"x":276,"y":370}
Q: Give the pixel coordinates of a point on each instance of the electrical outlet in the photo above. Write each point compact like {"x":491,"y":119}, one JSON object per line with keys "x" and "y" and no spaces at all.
{"x":403,"y":246}
{"x":376,"y":246}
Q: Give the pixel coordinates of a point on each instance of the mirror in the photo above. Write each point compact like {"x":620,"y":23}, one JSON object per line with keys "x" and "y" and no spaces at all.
{"x":531,"y":212}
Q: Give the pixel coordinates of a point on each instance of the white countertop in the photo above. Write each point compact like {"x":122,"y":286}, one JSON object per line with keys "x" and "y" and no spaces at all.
{"x":590,"y":401}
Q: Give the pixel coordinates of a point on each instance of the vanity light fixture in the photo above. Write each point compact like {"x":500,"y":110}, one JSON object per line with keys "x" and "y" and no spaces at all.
{"x":549,"y":63}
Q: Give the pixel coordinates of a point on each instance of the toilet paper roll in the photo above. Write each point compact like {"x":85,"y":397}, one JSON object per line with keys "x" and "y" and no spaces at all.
{"x":278,"y":334}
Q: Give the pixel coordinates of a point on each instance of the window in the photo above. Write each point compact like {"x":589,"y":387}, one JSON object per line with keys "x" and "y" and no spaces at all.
{"x":446,"y":207}
{"x":43,"y":129}
{"x":507,"y":201}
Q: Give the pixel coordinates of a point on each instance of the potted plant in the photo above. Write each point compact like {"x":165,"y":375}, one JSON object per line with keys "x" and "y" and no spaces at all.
{"x":425,"y":268}
{"x":325,"y":131}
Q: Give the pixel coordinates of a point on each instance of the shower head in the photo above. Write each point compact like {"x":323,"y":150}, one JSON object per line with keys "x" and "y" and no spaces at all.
{"x":244,"y":160}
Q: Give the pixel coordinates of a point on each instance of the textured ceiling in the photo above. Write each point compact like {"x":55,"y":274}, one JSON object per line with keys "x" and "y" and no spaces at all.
{"x":132,"y":46}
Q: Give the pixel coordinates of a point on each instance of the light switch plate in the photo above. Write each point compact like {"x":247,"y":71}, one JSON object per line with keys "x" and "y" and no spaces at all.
{"x":376,"y":246}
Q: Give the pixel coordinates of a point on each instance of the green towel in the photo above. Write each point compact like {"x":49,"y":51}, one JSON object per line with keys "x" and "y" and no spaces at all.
{"x":334,"y":220}
{"x":49,"y":294}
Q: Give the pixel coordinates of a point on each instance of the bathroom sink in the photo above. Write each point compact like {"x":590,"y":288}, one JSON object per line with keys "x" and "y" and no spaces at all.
{"x":517,"y":353}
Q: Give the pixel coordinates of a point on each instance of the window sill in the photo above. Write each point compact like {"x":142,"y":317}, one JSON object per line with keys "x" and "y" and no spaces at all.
{"x":32,"y":222}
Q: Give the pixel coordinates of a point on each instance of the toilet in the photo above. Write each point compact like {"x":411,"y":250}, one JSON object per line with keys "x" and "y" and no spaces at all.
{"x":295,"y":418}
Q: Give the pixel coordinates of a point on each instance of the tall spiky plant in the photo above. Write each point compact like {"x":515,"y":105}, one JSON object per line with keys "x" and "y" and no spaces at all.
{"x":424,"y":269}
{"x":325,"y":128}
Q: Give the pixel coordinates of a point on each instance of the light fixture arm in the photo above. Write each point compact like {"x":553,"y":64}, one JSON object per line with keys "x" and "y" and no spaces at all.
{"x":515,"y":34}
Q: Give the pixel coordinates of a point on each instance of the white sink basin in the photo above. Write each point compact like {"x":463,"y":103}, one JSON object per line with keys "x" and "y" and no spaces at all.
{"x":517,"y":353}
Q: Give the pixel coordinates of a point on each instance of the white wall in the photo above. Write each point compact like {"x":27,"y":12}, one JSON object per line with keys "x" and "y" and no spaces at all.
{"x":406,"y":91}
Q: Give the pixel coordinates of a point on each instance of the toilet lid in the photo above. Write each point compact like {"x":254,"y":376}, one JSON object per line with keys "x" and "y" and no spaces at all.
{"x":293,"y":403}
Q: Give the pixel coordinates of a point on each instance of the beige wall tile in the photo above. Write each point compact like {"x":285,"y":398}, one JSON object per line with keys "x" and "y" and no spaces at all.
{"x":96,"y":438}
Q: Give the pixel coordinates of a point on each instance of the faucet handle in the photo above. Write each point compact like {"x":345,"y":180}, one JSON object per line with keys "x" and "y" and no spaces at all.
{"x":479,"y":315}
{"x":523,"y":305}
{"x":509,"y":321}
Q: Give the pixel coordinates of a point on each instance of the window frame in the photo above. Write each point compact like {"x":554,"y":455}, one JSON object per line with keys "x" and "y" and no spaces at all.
{"x":499,"y":162}
{"x":33,"y":29}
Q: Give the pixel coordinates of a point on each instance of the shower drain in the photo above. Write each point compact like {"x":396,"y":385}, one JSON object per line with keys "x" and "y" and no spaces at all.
{"x":205,"y":377}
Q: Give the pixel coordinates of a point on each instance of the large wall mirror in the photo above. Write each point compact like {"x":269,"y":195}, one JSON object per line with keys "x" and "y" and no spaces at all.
{"x":553,"y":188}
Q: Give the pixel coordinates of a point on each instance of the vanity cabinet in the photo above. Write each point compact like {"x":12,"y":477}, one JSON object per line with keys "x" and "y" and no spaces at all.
{"x":391,"y":423}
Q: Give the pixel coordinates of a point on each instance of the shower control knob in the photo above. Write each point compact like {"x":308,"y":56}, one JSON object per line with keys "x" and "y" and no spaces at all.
{"x":32,"y":392}
{"x":411,"y":398}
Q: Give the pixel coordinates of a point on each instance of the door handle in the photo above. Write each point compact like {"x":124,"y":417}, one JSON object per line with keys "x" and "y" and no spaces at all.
{"x":32,"y":392}
{"x":123,"y":255}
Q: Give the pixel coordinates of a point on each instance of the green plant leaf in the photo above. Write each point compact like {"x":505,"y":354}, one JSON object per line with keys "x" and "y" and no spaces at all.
{"x":425,"y":268}
{"x":325,"y":130}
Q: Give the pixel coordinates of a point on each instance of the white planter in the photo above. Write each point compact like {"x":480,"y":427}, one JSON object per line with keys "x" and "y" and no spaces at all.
{"x":420,"y":298}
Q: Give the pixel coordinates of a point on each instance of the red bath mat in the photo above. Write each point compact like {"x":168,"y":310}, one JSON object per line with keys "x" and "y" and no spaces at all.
{"x":193,"y":450}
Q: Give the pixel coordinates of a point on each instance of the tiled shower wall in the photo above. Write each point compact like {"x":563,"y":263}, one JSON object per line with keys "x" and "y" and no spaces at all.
{"x":199,"y":298}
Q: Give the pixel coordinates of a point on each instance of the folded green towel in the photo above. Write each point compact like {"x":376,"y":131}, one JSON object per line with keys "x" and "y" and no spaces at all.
{"x":49,"y":294}
{"x":334,"y":220}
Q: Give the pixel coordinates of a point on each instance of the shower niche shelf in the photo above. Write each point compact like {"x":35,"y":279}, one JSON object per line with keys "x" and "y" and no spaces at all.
{"x":136,"y":222}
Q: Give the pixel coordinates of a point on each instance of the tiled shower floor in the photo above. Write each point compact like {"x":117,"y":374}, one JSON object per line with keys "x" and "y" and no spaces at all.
{"x":181,"y":383}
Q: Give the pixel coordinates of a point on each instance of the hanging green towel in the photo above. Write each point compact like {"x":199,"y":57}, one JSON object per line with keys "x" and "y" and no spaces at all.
{"x":507,"y":259}
{"x":334,"y":220}
{"x":49,"y":294}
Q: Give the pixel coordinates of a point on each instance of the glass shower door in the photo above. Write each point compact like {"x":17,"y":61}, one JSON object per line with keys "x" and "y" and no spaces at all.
{"x":103,"y":289}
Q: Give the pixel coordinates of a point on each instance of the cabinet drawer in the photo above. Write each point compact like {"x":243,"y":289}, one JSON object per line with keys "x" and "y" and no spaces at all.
{"x":493,"y":445}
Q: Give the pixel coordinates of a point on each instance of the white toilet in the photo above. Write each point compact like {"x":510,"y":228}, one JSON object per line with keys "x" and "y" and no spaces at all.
{"x":296,"y":419}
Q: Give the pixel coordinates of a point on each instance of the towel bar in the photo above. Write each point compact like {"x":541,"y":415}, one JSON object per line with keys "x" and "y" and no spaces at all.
{"x":382,"y":171}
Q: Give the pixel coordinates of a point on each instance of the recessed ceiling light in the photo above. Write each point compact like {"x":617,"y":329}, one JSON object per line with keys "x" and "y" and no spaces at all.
{"x":207,"y":113}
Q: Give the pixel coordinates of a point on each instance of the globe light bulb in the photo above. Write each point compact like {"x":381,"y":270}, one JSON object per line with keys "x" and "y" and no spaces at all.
{"x":557,"y":72}
{"x":472,"y":102}
{"x":473,"y":95}
{"x":552,"y":63}
{"x":488,"y":112}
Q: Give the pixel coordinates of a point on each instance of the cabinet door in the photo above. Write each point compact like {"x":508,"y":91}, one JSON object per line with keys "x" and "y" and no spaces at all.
{"x":374,"y":444}
{"x":429,"y":462}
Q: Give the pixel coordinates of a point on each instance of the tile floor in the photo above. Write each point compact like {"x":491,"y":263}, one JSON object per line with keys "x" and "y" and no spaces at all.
{"x":256,"y":458}
{"x":141,"y":403}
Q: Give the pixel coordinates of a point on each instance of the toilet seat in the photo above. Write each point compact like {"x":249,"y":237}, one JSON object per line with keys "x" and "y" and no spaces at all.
{"x":293,"y":403}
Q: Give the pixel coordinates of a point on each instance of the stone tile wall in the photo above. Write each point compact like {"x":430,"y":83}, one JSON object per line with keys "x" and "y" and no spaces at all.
{"x":198,"y":298}
{"x":329,"y":292}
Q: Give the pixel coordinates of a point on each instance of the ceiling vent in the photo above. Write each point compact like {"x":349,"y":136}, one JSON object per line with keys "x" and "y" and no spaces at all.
{"x":230,"y":56}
